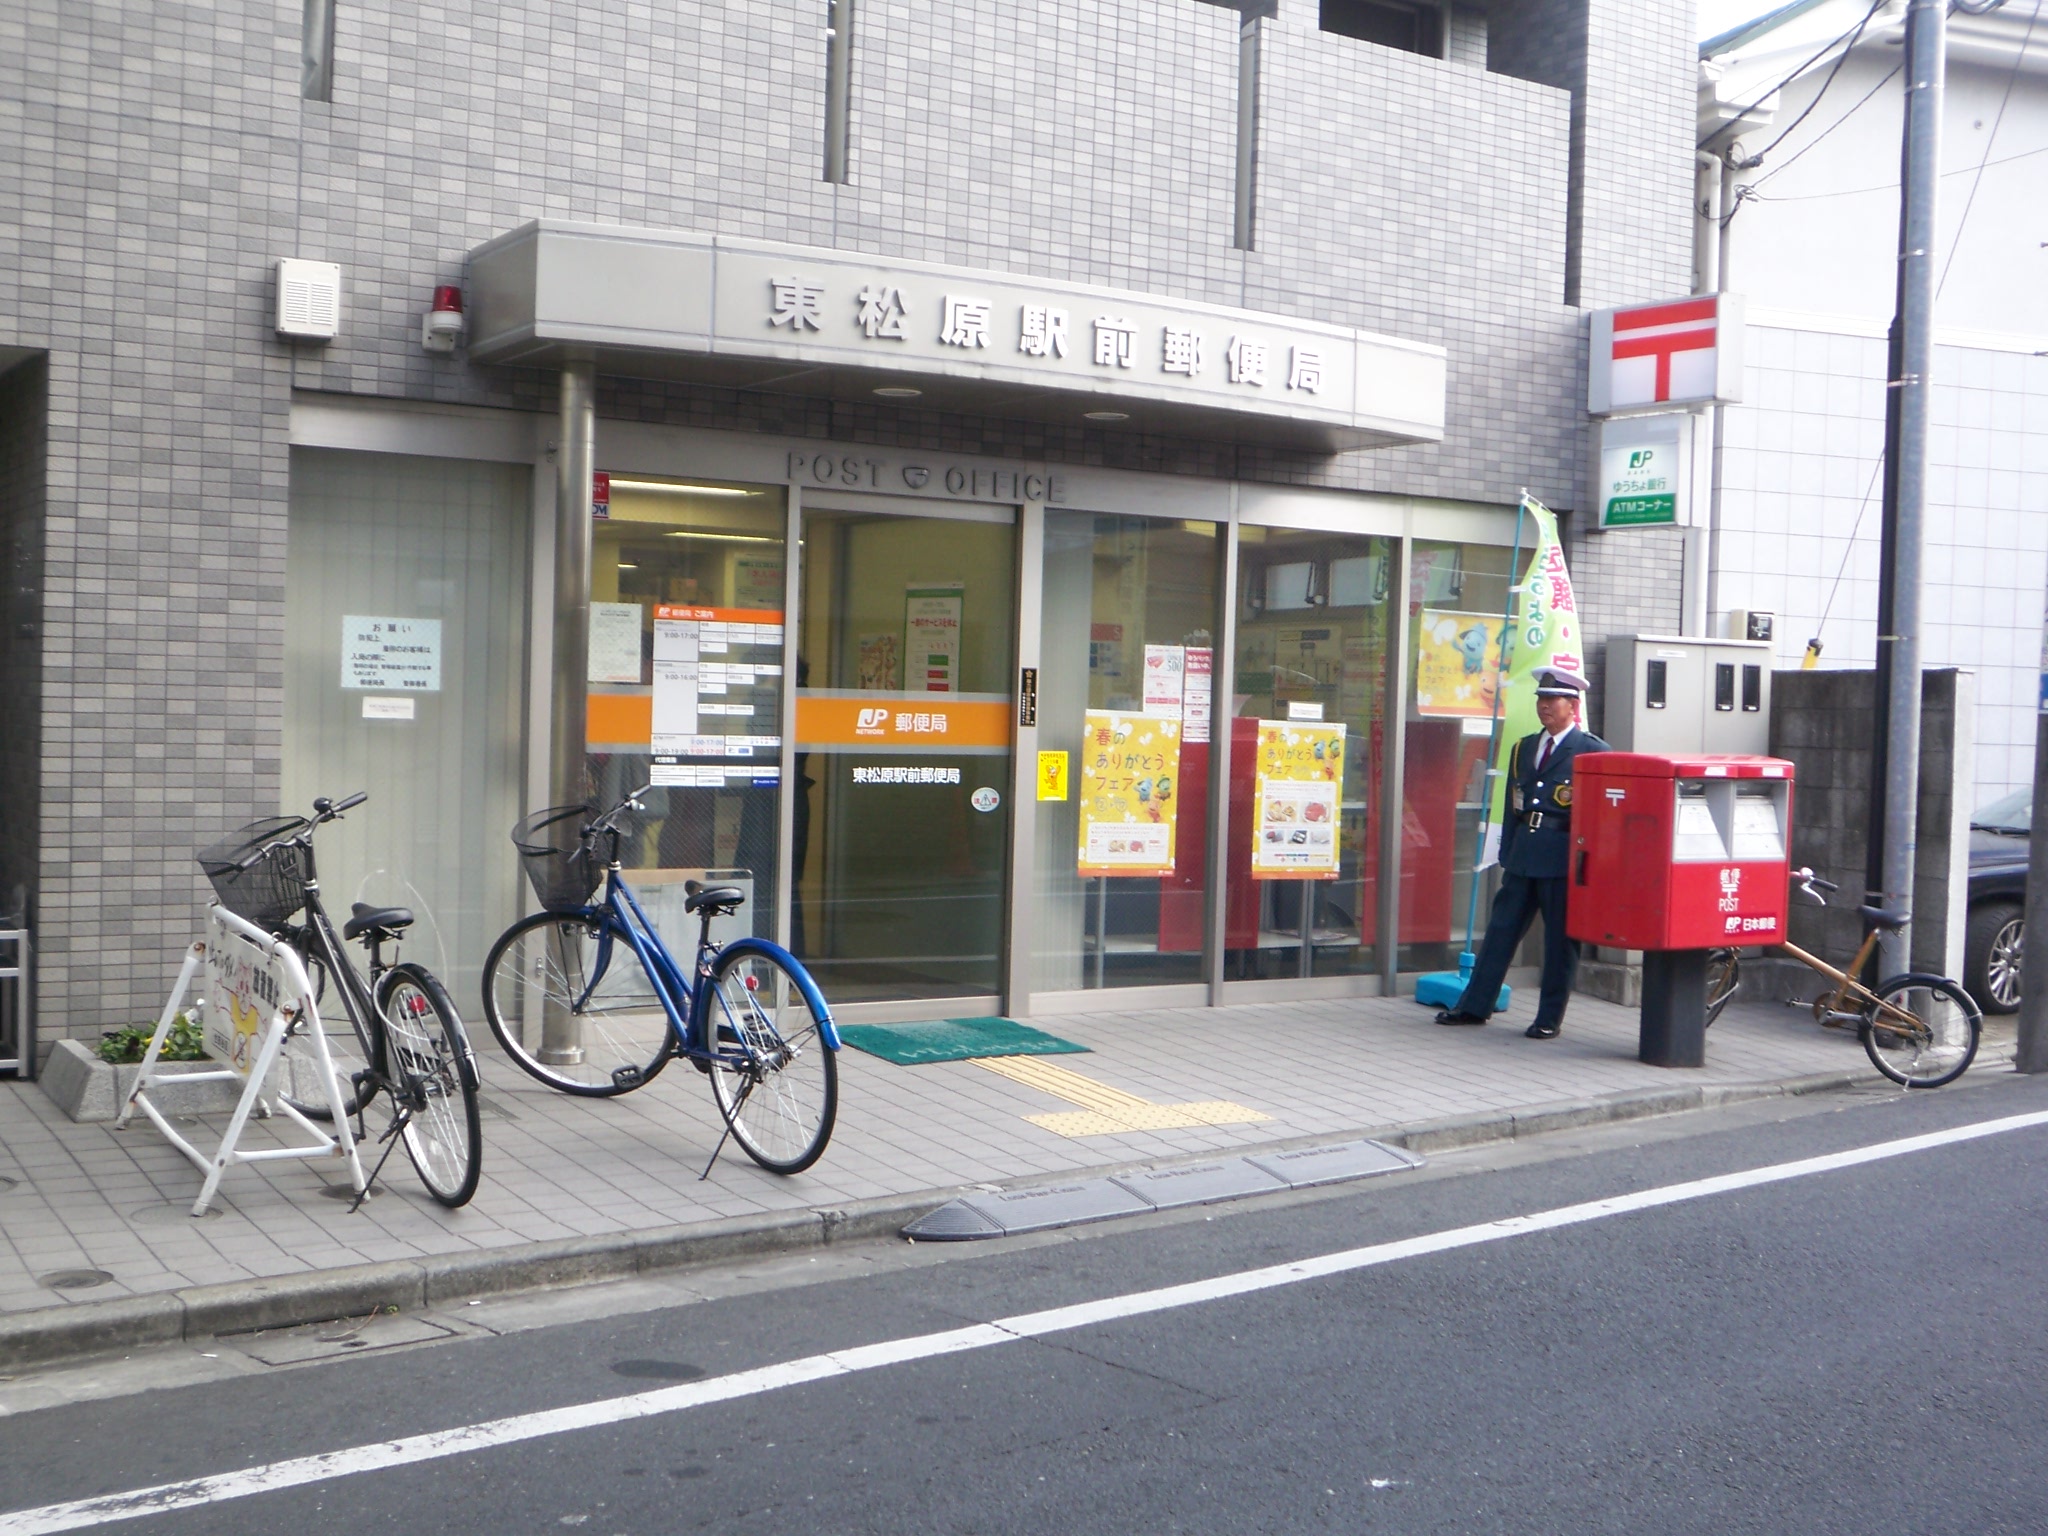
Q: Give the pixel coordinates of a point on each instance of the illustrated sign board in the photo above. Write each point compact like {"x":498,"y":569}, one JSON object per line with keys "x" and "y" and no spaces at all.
{"x":1457,"y":663}
{"x":742,"y":311}
{"x":1645,"y":471}
{"x":391,"y":655}
{"x":1130,"y":793}
{"x":1298,"y":788}
{"x":245,"y":985}
{"x":1680,"y":352}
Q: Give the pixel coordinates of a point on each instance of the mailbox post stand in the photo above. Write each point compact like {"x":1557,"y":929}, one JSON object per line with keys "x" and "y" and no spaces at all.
{"x":1674,"y":1014}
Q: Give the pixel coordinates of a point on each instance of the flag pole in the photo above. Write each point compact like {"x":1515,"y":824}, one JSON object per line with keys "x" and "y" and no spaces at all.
{"x":1444,"y":988}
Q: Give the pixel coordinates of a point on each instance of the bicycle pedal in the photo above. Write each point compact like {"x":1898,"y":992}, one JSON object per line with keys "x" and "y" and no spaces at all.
{"x":627,"y":1077}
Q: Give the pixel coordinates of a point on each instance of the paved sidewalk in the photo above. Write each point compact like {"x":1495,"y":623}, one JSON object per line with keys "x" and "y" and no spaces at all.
{"x":87,"y":1197}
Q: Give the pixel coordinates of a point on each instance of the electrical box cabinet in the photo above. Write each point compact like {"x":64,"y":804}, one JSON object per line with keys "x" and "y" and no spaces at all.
{"x":1679,"y":852}
{"x":1671,"y":694}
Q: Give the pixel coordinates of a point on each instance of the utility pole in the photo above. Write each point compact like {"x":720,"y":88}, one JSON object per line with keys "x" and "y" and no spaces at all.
{"x":2032,"y":1055}
{"x":1896,"y":771}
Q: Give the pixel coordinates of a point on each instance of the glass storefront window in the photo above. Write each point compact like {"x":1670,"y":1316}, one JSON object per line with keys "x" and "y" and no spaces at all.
{"x":1126,"y":651}
{"x":1311,"y":657}
{"x":686,"y":600}
{"x":900,"y":846}
{"x":1455,"y":596}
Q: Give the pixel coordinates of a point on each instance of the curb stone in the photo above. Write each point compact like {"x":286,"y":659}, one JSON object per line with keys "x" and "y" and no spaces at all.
{"x":63,"y":1332}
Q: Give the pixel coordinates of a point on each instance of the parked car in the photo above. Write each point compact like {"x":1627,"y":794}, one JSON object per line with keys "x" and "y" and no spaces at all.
{"x":1999,"y":837}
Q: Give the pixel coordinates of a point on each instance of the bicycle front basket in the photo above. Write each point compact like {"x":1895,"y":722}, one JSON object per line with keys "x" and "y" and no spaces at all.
{"x":562,"y":863}
{"x":269,"y":891}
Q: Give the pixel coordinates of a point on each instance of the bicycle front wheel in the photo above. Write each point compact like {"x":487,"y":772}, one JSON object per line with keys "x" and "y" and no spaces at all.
{"x":573,"y":1007}
{"x":427,"y":1059}
{"x":1724,"y":978}
{"x":1940,"y":1043}
{"x":775,"y":1079}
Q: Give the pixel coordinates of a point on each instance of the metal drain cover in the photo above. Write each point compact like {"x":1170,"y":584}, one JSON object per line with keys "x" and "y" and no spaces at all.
{"x":73,"y":1279}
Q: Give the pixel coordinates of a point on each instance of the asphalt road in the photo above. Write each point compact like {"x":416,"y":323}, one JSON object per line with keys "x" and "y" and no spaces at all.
{"x":1857,"y":1349}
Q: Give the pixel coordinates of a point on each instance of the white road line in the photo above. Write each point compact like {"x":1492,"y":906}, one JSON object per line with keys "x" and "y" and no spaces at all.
{"x":328,"y":1465}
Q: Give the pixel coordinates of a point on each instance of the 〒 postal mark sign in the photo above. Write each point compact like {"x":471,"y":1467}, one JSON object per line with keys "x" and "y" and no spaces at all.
{"x":1680,"y":352}
{"x":391,"y":655}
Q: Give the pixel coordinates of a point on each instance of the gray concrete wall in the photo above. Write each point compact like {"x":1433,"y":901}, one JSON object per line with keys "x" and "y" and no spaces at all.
{"x":156,"y":160}
{"x":1823,"y":723}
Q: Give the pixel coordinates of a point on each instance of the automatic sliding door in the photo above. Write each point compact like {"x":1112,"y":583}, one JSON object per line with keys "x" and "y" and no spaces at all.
{"x":900,"y":847}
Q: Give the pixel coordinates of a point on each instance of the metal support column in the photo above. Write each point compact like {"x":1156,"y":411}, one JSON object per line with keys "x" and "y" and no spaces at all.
{"x":1021,"y":943}
{"x":1392,"y":787}
{"x":575,"y":459}
{"x":1222,"y":689}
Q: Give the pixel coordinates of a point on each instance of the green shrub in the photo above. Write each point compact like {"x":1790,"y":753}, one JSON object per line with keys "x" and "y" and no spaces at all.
{"x":125,"y":1047}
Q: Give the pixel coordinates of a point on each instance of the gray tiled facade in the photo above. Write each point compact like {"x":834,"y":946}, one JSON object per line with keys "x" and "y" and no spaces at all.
{"x":155,"y":160}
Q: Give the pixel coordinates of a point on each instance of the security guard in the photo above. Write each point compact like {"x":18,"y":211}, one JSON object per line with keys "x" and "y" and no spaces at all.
{"x":1535,"y":860}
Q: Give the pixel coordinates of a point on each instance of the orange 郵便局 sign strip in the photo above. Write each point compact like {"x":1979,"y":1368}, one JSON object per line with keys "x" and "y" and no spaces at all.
{"x":902,"y":720}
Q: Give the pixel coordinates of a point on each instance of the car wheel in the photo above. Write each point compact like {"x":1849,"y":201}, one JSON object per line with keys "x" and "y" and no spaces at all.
{"x":1997,"y":932}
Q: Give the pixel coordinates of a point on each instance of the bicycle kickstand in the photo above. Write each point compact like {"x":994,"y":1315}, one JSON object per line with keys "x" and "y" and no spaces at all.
{"x":714,"y":1155}
{"x":390,"y":1139}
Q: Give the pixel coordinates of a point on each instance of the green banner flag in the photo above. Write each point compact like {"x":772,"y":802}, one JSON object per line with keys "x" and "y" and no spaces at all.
{"x":1545,"y":633}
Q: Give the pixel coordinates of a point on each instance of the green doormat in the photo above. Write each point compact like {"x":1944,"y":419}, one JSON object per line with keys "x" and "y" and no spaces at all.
{"x":913,"y":1045}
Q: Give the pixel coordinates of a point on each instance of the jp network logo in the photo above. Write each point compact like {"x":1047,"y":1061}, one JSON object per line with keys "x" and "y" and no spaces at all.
{"x":871,"y":722}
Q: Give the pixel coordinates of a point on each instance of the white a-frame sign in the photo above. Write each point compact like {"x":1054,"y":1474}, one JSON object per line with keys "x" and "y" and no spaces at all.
{"x":257,"y":996}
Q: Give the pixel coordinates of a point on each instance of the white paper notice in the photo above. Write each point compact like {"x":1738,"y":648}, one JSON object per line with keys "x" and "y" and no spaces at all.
{"x":1165,"y":674}
{"x":676,"y":684}
{"x":931,"y":637}
{"x":614,"y":643}
{"x":391,"y":655}
{"x":401,"y":708}
{"x":1196,"y":695}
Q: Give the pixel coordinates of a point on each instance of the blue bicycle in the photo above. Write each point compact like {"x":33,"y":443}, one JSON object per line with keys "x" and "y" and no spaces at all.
{"x":585,"y":997}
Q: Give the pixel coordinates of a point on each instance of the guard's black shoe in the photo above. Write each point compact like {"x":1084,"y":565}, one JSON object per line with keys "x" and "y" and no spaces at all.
{"x":1459,"y":1016}
{"x":1541,"y":1031}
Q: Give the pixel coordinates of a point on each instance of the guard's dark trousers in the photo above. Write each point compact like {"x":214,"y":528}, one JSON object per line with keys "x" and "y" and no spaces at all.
{"x":1521,"y":898}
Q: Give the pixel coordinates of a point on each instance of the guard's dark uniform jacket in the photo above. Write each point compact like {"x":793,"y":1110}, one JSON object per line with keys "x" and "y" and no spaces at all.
{"x":1537,"y":838}
{"x":1535,"y":857}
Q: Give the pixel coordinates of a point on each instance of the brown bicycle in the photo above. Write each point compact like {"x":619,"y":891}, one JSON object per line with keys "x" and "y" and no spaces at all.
{"x":1920,"y":1031}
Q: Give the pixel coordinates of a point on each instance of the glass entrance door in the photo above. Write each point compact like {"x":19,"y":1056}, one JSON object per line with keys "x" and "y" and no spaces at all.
{"x":900,"y":841}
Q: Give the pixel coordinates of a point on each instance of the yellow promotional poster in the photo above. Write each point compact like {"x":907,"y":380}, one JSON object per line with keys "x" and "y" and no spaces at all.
{"x":1457,"y":663}
{"x":1052,"y":775}
{"x":1299,"y":788}
{"x":1130,"y":793}
{"x":242,"y":990}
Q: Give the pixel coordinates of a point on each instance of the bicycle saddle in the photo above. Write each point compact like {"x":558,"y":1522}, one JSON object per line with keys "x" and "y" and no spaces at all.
{"x":385,"y":920}
{"x":1881,"y":917}
{"x":720,"y":898}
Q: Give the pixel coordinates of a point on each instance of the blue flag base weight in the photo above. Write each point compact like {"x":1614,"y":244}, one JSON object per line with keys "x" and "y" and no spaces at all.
{"x":1442,"y":989}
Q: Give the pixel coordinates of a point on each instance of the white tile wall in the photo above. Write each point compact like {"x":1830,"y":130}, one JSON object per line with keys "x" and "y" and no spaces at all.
{"x":1800,"y":509}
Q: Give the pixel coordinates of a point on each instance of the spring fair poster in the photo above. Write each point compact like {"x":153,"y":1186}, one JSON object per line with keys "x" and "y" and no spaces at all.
{"x":1130,"y":793}
{"x":1296,"y":796}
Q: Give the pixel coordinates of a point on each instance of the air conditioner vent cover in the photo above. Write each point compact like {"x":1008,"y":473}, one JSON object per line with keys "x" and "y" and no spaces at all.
{"x":308,"y":298}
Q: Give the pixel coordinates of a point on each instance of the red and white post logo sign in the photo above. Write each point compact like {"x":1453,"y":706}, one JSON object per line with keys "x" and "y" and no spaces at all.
{"x":1684,"y":352}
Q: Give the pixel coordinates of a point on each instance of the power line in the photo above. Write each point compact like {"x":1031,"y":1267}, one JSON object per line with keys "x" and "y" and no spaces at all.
{"x":1793,"y":159}
{"x":1985,"y":159}
{"x":1855,"y":31}
{"x":1842,"y":58}
{"x":1883,"y":186}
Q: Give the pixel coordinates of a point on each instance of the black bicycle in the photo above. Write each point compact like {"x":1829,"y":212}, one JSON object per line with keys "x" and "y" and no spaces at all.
{"x":410,"y":1047}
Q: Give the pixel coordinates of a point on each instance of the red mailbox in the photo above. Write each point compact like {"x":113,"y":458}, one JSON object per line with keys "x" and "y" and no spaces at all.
{"x":1679,"y":853}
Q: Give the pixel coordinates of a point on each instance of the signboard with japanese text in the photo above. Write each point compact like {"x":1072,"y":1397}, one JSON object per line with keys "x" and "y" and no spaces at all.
{"x":1645,"y":473}
{"x":1166,"y":669}
{"x":1195,"y":700}
{"x":1457,"y":663}
{"x":1052,"y":775}
{"x":931,"y":636}
{"x":614,"y":642}
{"x":1129,"y":792}
{"x":245,"y":985}
{"x":972,"y":725}
{"x":735,"y":302}
{"x":391,"y":655}
{"x":717,"y":682}
{"x":1298,"y":788}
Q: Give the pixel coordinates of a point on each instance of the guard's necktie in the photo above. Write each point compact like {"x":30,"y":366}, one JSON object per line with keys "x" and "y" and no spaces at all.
{"x":1543,"y":753}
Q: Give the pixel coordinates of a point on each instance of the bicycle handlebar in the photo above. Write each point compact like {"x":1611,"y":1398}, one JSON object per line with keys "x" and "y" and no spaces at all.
{"x":630,"y":803}
{"x":324,"y":810}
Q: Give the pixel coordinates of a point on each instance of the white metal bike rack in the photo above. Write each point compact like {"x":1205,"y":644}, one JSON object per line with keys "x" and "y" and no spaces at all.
{"x":256,"y":995}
